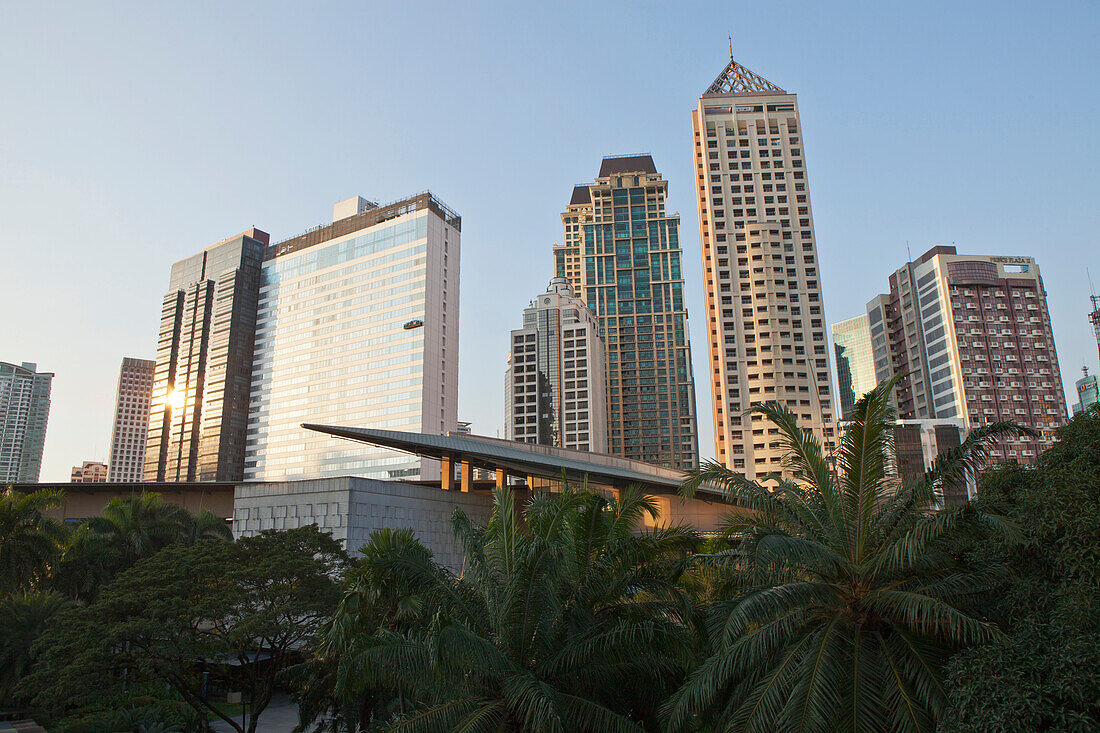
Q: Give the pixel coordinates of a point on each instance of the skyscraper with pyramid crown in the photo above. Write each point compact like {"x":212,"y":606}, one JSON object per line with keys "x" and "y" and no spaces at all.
{"x":766,"y":319}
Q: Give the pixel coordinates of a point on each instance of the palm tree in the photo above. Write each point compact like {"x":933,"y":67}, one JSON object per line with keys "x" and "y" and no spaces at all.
{"x":570,"y":621}
{"x":204,"y":526}
{"x":131,"y":528}
{"x":88,"y":561}
{"x":139,"y":526}
{"x":381,"y":596}
{"x":23,"y":616}
{"x":846,"y":601}
{"x":29,"y":540}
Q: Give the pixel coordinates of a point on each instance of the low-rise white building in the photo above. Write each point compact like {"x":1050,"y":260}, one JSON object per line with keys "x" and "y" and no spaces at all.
{"x":351,"y":508}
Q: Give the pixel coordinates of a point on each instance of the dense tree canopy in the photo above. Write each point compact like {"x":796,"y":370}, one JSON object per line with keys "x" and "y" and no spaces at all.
{"x":131,"y":528}
{"x":192,"y":615}
{"x":1043,"y":673}
{"x":837,"y":598}
{"x":566,"y":621}
{"x":23,"y":618}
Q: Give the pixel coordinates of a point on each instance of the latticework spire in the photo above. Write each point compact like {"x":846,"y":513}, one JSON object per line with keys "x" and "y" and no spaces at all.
{"x":736,"y":79}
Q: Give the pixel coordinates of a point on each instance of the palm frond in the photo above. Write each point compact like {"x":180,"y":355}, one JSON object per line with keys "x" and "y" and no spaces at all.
{"x":813,"y":703}
{"x":586,"y":715}
{"x":929,"y":616}
{"x":863,"y":454}
{"x":445,"y":716}
{"x":765,"y":702}
{"x":907,"y":712}
{"x":804,"y":454}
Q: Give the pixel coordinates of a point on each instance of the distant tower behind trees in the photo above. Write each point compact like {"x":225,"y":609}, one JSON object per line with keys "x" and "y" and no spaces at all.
{"x":554,"y":383}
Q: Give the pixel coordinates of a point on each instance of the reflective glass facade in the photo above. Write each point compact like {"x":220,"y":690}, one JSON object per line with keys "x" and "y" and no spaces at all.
{"x":622,"y":254}
{"x":1088,"y":393}
{"x":355,"y":331}
{"x":24,"y":410}
{"x":199,"y":405}
{"x":555,"y":380}
{"x":855,"y":361}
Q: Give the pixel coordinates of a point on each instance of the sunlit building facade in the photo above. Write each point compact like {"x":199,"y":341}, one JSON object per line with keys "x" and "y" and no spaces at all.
{"x":24,"y":411}
{"x":972,"y":337}
{"x":126,"y":461}
{"x":621,"y":253}
{"x":358,"y":325}
{"x":765,"y":316}
{"x":89,"y":472}
{"x":198,"y":410}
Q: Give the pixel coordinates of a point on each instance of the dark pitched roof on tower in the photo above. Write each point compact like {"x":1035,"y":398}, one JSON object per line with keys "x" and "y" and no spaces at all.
{"x":581,"y":195}
{"x":638,"y":163}
{"x":736,"y":79}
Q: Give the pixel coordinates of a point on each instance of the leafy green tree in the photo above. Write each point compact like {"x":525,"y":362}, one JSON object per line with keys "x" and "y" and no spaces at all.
{"x":23,"y":616}
{"x":569,"y":621}
{"x":30,"y":541}
{"x":1043,"y":673}
{"x":235,"y":614}
{"x":131,"y":528}
{"x":844,"y":602}
{"x":151,"y":718}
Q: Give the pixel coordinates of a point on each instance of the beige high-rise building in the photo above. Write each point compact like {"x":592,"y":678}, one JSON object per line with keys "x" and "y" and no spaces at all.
{"x":763,"y":282}
{"x":89,"y":472}
{"x":126,"y":461}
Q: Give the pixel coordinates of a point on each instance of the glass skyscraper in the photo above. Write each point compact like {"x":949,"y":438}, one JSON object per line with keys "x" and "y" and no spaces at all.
{"x":357,"y":325}
{"x":855,"y":361}
{"x":199,"y":407}
{"x":24,"y":409}
{"x":621,"y":252}
{"x":1088,"y":392}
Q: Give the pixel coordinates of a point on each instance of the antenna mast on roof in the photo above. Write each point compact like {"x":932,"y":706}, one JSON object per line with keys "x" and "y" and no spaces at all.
{"x":731,"y":48}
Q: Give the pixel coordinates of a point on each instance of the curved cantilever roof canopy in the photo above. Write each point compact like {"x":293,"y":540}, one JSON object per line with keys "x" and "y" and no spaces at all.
{"x":524,"y":459}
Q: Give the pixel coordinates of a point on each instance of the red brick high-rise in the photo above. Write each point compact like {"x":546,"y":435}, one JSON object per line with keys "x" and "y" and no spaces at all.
{"x":973,"y":334}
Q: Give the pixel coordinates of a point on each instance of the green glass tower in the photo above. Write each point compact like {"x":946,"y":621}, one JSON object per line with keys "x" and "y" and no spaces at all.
{"x":621,"y":252}
{"x":24,"y":410}
{"x":855,"y":361}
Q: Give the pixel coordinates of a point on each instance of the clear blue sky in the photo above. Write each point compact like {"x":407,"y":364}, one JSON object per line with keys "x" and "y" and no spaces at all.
{"x":134,"y":134}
